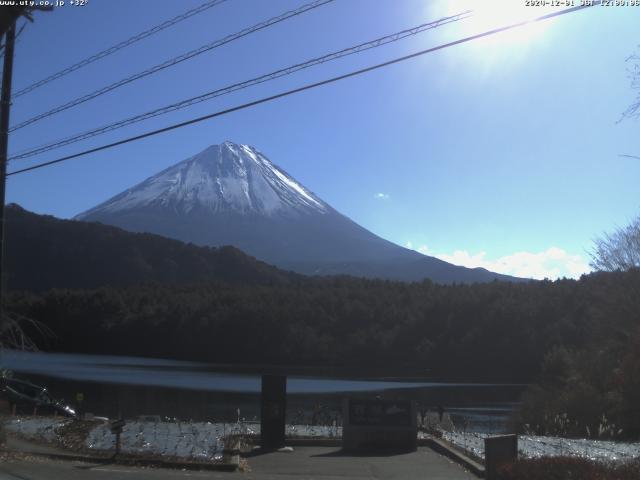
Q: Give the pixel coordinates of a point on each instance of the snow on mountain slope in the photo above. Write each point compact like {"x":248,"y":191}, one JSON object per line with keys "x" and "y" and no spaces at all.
{"x":231,"y":194}
{"x":227,"y":177}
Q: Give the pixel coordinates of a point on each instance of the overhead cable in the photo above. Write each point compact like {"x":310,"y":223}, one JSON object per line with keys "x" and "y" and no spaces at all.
{"x":240,"y":86}
{"x":171,"y":62}
{"x":299,"y":89}
{"x":118,"y":46}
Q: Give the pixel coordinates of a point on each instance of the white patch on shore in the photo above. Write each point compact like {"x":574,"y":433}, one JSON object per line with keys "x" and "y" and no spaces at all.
{"x":203,"y":440}
{"x":185,"y":440}
{"x":41,"y":428}
{"x":534,"y":446}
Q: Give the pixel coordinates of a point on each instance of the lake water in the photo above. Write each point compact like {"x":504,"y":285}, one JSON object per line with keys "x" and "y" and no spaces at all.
{"x":186,"y":390}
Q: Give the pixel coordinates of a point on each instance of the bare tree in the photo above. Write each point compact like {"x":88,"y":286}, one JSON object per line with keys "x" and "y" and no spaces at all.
{"x":619,"y":250}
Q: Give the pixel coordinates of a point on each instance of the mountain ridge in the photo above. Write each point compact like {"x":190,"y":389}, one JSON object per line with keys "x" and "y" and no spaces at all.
{"x":45,"y":252}
{"x":232,"y":194}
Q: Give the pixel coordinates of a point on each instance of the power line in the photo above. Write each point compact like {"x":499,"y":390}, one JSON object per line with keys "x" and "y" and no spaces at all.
{"x":17,"y":37}
{"x":119,"y":46}
{"x":300,"y":89}
{"x":174,"y":61}
{"x":242,"y":85}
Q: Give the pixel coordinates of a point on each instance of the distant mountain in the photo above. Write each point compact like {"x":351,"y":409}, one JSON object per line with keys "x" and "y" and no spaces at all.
{"x":232,"y":194}
{"x":43,"y":252}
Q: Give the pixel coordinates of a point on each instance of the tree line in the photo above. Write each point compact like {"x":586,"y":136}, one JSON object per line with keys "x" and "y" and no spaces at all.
{"x":576,"y":339}
{"x":90,"y":288}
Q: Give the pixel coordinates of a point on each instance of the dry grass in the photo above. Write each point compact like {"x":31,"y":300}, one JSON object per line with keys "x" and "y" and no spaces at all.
{"x":72,"y":435}
{"x":569,"y":468}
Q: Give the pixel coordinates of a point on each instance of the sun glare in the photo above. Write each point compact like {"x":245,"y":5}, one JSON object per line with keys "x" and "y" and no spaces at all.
{"x":490,"y":14}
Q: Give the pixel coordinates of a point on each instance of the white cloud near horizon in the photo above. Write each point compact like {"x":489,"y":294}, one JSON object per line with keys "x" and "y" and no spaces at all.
{"x":552,"y":263}
{"x":382,"y":196}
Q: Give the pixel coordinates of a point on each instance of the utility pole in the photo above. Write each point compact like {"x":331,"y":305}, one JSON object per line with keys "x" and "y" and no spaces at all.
{"x":5,"y":107}
{"x":9,"y":14}
{"x":8,"y":19}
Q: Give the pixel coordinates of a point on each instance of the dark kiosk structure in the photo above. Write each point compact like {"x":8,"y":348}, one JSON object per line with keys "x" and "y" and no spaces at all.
{"x":273,"y":407}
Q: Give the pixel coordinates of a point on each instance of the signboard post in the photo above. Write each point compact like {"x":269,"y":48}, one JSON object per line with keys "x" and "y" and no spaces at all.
{"x":116,"y":427}
{"x":379,"y":425}
{"x":79,"y":402}
{"x":497,"y":451}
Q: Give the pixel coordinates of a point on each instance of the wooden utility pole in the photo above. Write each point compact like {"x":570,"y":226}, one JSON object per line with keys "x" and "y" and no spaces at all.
{"x":8,"y":19}
{"x":5,"y":107}
{"x":9,"y":14}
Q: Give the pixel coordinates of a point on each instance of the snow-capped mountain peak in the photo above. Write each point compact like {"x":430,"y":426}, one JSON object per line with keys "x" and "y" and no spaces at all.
{"x":226,"y":177}
{"x":231,"y":194}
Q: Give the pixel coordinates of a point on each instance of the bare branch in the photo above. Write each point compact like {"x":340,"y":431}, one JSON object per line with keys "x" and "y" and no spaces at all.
{"x":619,"y":250}
{"x":12,"y":331}
{"x":634,"y":76}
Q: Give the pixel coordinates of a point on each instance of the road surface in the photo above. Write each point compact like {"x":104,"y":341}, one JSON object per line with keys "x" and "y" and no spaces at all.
{"x":319,"y":463}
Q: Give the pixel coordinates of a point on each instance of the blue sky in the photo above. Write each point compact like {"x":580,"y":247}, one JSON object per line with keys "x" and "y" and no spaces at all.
{"x":503,"y":152}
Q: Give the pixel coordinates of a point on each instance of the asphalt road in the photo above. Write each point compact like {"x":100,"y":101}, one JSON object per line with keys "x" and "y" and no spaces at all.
{"x":318,"y":463}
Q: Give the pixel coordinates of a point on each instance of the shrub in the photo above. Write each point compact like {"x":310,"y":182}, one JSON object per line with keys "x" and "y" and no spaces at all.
{"x":568,"y":468}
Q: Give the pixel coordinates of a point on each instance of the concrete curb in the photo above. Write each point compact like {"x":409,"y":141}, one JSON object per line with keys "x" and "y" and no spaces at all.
{"x":443,"y":448}
{"x":230,"y":466}
{"x":308,"y":442}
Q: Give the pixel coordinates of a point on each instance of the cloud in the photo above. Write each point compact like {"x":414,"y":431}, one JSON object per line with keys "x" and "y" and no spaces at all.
{"x":551,"y":263}
{"x":382,"y":196}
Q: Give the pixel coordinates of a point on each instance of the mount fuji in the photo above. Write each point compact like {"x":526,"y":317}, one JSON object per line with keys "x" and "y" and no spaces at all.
{"x":232,"y":194}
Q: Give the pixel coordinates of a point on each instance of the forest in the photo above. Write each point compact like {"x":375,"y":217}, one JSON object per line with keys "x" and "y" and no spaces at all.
{"x":43,"y":252}
{"x":576,"y":339}
{"x":577,"y":342}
